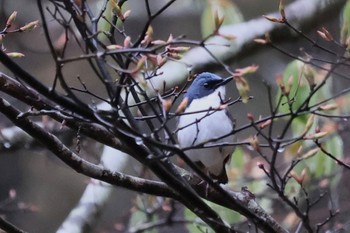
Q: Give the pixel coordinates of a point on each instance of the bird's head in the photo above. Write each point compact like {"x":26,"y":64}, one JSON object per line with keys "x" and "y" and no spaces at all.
{"x":203,"y":85}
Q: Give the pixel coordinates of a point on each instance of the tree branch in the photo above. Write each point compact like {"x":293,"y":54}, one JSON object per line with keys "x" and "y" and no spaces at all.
{"x":300,"y":12}
{"x":126,"y":181}
{"x":9,"y":227}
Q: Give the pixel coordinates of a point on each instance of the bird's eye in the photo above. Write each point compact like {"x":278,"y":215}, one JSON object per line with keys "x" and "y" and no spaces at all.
{"x":206,"y":85}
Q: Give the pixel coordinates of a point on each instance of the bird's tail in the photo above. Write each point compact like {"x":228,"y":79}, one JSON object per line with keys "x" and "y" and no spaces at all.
{"x":222,"y":177}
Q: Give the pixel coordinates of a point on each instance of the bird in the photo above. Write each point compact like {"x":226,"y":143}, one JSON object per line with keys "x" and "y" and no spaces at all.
{"x":202,"y":120}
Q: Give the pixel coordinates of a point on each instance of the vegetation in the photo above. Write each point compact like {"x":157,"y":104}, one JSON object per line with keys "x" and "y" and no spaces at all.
{"x":290,"y":161}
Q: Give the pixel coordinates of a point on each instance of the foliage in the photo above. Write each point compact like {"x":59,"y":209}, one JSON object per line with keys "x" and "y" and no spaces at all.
{"x":222,"y":8}
{"x":288,"y":161}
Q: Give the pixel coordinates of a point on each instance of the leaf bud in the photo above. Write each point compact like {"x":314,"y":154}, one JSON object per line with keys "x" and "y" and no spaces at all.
{"x":11,"y":19}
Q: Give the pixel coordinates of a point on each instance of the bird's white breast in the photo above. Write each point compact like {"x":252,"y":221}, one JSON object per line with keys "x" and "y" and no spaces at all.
{"x":200,"y":127}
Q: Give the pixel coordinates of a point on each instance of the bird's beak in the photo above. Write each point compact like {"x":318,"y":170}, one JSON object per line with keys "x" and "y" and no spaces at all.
{"x":223,"y":82}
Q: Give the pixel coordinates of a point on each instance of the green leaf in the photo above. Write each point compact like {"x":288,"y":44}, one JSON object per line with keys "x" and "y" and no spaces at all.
{"x":345,"y":23}
{"x":334,"y":146}
{"x":225,"y":8}
{"x":321,"y":165}
{"x":292,"y":187}
{"x":236,"y":167}
{"x":198,"y":226}
{"x":139,"y":217}
{"x":105,"y":26}
{"x":228,"y":215}
{"x":344,"y":107}
{"x":299,"y":87}
{"x":237,"y":159}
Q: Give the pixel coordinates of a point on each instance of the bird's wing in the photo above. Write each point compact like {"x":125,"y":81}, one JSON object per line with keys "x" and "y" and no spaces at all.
{"x":222,"y":176}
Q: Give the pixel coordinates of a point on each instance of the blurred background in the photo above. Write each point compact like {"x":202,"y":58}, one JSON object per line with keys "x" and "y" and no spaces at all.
{"x":47,"y":186}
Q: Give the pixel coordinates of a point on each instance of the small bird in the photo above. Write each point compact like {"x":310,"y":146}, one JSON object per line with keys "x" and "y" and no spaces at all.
{"x":203,"y":121}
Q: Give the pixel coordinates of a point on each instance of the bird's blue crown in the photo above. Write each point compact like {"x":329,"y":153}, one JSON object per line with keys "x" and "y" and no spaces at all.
{"x":204,"y":84}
